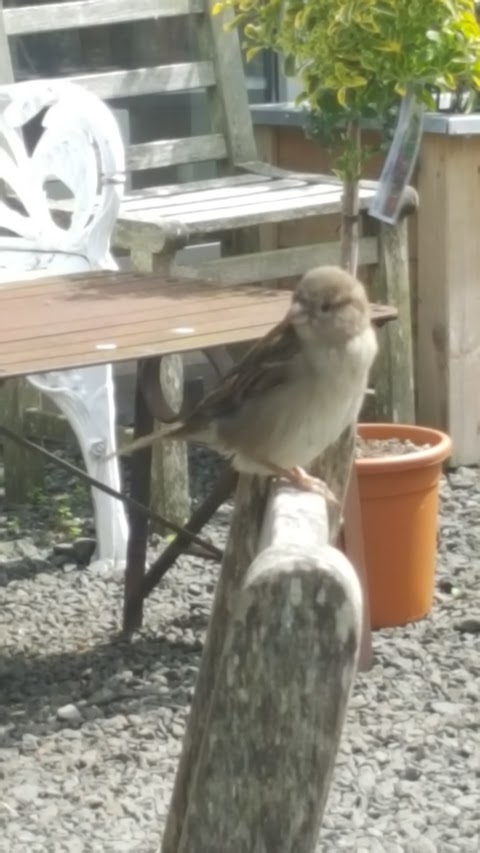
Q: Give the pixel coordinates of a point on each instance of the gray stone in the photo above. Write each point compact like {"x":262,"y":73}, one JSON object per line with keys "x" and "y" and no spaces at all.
{"x":21,"y":551}
{"x":412,"y":773}
{"x":447,"y":708}
{"x":421,"y":845}
{"x":29,"y":743}
{"x":48,"y":814}
{"x":94,"y":801}
{"x":470,"y":625}
{"x":26,"y":793}
{"x":70,"y":713}
{"x":177,"y":730}
{"x":366,"y":779}
{"x":89,"y":758}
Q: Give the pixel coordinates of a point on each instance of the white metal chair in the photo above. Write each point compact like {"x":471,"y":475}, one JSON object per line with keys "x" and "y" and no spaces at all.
{"x":81,"y":148}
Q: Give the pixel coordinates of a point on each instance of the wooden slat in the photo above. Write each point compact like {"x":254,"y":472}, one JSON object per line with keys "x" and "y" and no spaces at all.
{"x":24,"y":364}
{"x":268,"y":195}
{"x":171,"y":152}
{"x":207,"y":185}
{"x":141,"y":315}
{"x":193,"y":314}
{"x":98,"y":284}
{"x":90,"y":13}
{"x":312,"y":201}
{"x":267,"y":170}
{"x":277,"y":263}
{"x":216,"y":196}
{"x":181,"y":77}
{"x":275,"y":208}
{"x":135,"y":332}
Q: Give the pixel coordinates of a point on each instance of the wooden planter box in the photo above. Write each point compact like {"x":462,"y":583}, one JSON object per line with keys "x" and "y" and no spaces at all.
{"x":448,"y":340}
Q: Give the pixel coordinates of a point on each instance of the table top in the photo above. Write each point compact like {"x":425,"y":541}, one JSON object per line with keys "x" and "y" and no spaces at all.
{"x":63,"y":322}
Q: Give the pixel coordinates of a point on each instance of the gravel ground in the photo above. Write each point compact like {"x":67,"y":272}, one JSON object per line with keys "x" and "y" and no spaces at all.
{"x":91,"y":728}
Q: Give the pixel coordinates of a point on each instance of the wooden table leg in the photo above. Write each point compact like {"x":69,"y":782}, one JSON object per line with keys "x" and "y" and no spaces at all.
{"x":354,"y":550}
{"x":137,"y":540}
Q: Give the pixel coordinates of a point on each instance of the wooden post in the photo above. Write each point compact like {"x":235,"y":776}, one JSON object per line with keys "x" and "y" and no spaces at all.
{"x":241,"y":549}
{"x":394,"y":385}
{"x":170,"y":492}
{"x":336,"y":469}
{"x":448,"y":288}
{"x":23,"y":469}
{"x":250,"y":500}
{"x":275,"y":710}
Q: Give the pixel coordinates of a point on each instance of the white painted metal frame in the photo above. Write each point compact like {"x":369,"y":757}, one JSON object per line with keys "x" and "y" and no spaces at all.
{"x":81,"y":148}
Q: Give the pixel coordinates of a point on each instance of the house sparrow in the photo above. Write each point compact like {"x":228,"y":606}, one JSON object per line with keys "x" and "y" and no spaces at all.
{"x":295,"y":390}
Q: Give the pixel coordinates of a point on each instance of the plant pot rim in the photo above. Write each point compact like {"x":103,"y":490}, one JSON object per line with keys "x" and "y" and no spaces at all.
{"x":436,"y":454}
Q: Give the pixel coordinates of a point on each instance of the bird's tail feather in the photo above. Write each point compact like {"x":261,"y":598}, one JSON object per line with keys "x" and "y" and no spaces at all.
{"x":167,"y":431}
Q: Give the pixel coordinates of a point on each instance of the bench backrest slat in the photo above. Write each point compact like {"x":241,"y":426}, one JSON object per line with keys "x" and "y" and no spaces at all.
{"x":171,"y":152}
{"x":182,"y":77}
{"x":64,"y":16}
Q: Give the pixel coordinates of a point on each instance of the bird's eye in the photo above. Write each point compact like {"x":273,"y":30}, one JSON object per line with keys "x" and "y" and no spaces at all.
{"x":325,"y":307}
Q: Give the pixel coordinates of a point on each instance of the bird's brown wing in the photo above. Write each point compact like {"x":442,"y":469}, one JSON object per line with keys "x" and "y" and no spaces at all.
{"x":263,"y":367}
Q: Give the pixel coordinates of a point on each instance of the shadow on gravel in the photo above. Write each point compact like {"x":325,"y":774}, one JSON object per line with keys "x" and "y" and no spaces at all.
{"x":26,"y":569}
{"x":113,"y":678}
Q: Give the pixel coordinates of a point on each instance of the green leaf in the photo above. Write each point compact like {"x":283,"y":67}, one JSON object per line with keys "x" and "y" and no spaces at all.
{"x":357,"y":80}
{"x":252,"y":52}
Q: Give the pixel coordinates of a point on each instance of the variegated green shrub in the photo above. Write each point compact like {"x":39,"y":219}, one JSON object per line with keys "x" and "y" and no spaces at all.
{"x":354,"y":58}
{"x":365,"y":51}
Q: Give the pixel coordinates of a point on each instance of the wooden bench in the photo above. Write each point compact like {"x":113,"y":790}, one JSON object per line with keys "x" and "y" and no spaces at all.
{"x":176,"y":47}
{"x":245,"y":193}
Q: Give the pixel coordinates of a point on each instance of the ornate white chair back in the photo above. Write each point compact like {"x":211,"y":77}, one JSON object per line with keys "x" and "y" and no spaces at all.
{"x":79,"y":155}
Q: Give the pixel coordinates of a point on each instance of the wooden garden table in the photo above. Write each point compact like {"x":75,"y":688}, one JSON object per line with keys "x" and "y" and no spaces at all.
{"x":69,"y":321}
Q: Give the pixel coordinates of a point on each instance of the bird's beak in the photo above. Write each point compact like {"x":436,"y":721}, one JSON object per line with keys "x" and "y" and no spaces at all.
{"x":297,"y":311}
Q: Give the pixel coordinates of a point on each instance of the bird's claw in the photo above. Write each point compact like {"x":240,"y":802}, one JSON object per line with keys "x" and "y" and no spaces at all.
{"x":300,"y":478}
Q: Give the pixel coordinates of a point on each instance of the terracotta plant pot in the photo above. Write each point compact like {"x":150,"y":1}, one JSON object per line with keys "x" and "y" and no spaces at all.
{"x":399,"y":506}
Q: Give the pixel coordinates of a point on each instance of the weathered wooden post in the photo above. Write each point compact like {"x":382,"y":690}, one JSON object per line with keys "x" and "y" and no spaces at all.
{"x":274,"y":681}
{"x":395,"y":392}
{"x":170,"y":490}
{"x":448,"y":338}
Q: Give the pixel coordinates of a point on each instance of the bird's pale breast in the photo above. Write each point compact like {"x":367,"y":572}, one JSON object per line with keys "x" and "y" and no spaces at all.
{"x":295,"y":423}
